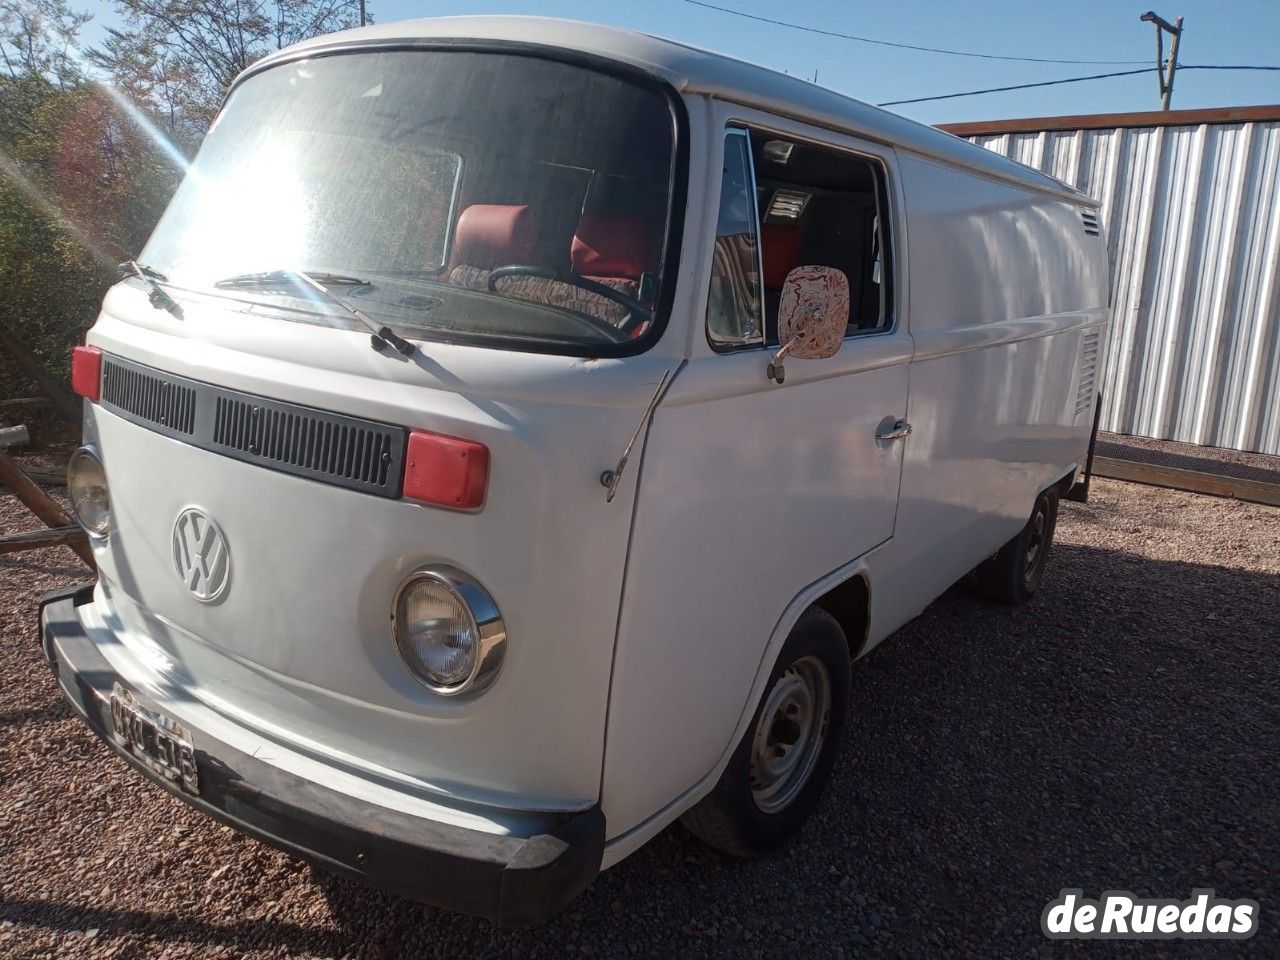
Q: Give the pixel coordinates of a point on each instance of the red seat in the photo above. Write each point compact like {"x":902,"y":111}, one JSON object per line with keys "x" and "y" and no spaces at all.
{"x":779,"y":252}
{"x":612,"y":247}
{"x":492,"y":235}
{"x":779,"y":255}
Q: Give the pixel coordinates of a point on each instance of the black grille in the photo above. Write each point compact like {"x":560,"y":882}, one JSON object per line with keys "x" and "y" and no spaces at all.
{"x":1090,"y":219}
{"x":149,"y":396}
{"x":327,"y":447}
{"x":314,"y":444}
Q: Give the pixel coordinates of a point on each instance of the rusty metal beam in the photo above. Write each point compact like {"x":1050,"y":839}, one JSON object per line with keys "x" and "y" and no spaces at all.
{"x":40,"y":503}
{"x":46,"y":477}
{"x":1110,"y":121}
{"x":34,"y":539}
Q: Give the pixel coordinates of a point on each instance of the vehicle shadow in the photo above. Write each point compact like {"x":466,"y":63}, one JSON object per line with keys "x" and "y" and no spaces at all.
{"x":49,"y":714}
{"x":68,"y":918}
{"x":1121,"y":731}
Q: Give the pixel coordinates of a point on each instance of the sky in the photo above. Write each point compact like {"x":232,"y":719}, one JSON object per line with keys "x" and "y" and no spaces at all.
{"x":1215,"y":32}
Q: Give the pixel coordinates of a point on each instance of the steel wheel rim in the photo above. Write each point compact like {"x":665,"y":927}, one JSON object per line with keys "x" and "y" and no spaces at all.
{"x":789,"y":734}
{"x":1035,"y":544}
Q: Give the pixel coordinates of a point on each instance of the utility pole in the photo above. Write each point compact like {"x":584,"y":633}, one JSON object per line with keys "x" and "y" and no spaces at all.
{"x":363,"y":19}
{"x":1165,"y":71}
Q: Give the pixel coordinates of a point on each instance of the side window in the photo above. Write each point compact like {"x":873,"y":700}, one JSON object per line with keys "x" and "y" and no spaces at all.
{"x":733,"y":302}
{"x":823,"y":207}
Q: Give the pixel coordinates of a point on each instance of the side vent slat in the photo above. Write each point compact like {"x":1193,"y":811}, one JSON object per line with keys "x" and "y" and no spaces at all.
{"x":1088,"y":372}
{"x":1090,"y":220}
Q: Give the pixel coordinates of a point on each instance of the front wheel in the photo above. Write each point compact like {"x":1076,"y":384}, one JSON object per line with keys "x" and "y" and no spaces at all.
{"x":780,"y":767}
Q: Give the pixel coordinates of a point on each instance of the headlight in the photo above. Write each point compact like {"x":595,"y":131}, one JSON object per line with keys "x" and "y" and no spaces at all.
{"x":448,"y":630}
{"x":87,"y":484}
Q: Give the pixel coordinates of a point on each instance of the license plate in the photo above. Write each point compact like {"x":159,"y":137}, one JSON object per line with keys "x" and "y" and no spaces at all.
{"x":159,"y":741}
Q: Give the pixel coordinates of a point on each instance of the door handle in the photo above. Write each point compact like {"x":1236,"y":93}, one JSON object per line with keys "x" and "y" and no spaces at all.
{"x":899,"y":431}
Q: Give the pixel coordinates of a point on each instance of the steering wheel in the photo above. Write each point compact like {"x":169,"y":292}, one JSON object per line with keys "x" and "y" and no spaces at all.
{"x":633,"y":307}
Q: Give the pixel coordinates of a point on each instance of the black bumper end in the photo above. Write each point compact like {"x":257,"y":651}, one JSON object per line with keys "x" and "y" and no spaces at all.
{"x":515,"y":881}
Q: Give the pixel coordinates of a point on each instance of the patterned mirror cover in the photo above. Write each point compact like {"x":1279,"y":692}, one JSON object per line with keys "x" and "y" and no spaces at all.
{"x":814,"y":312}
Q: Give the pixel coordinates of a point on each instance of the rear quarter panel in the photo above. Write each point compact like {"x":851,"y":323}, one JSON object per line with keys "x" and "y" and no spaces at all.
{"x":1005,"y":285}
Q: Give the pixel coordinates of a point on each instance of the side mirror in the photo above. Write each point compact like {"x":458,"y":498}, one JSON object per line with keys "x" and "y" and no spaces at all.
{"x":813,"y":315}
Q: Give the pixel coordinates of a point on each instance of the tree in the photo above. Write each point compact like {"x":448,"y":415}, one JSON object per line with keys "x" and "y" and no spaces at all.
{"x":37,"y":57}
{"x":37,"y":40}
{"x":80,"y":186}
{"x":82,"y":176}
{"x":182,"y":55}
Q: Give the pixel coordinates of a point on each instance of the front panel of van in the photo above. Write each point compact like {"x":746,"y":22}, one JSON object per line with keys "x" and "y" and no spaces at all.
{"x":550,"y":375}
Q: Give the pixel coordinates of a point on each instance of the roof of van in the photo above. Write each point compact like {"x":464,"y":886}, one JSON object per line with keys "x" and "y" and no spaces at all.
{"x":693,"y":70}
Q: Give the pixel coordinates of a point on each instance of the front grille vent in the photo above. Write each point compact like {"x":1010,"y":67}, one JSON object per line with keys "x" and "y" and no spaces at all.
{"x":149,"y":395}
{"x":1090,"y":219}
{"x":327,"y":447}
{"x":313,"y":444}
{"x":1088,"y":375}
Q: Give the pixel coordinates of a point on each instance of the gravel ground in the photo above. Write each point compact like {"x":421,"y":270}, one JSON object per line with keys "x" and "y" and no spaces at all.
{"x":1121,"y":731}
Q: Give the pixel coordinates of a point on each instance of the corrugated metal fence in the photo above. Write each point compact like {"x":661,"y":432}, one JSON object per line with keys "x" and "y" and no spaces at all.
{"x":1191,"y":206}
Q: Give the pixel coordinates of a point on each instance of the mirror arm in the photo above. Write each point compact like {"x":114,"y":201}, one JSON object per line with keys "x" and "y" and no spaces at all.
{"x":776,"y":371}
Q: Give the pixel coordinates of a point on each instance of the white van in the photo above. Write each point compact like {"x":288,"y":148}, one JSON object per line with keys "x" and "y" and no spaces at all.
{"x":514,"y":429}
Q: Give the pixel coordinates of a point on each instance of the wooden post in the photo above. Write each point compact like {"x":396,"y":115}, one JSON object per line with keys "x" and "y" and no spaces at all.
{"x":1173,"y":65}
{"x":1165,"y":73}
{"x":40,"y":503}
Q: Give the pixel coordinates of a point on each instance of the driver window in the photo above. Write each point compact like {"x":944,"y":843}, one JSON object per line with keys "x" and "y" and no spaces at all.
{"x":733,"y":302}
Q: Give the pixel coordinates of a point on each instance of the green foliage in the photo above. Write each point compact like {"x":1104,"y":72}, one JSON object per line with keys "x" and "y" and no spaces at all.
{"x":183,"y":54}
{"x":51,"y":290}
{"x":82,"y":182}
{"x":80,"y":188}
{"x":47,"y":279}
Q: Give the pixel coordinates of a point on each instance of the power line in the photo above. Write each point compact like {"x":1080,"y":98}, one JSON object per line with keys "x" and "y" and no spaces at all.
{"x":1096,"y":76}
{"x":905,"y":46}
{"x":1017,"y":86}
{"x":1234,"y":66}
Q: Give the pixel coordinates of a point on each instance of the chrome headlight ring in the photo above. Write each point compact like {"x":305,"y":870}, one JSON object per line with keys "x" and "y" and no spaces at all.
{"x":89,"y":492}
{"x":489,"y":629}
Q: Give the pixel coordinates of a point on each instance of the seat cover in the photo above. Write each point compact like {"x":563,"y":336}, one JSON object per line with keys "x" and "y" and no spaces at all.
{"x":489,"y":236}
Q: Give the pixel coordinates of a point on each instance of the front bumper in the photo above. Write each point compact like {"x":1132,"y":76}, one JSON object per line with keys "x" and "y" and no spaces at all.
{"x":512,"y":880}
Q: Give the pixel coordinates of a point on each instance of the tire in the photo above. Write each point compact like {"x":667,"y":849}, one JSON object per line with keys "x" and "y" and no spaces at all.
{"x":758,"y":804}
{"x":1014,"y":574}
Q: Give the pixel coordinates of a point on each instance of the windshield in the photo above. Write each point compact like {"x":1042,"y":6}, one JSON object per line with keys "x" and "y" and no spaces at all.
{"x":497,"y":197}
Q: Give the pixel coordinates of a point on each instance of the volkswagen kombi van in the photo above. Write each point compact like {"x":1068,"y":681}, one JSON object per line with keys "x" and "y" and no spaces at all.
{"x":514,"y":430}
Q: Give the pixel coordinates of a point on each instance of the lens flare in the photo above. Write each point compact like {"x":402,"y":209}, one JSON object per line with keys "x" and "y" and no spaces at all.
{"x":145,"y":124}
{"x":50,"y":209}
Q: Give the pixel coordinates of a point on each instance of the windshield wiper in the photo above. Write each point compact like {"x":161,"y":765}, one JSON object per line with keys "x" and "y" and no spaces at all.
{"x":158,"y":296}
{"x":379,"y":334}
{"x":270,"y":278}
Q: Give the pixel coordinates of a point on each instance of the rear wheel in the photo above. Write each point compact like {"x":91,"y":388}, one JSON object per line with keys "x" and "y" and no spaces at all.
{"x":780,"y":767}
{"x":1014,"y":574}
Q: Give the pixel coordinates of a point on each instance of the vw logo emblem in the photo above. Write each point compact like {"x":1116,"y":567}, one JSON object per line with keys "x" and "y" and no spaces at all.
{"x":201,"y":556}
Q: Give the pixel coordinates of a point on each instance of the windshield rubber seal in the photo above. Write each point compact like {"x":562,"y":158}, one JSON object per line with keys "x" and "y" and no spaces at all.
{"x":678,"y":183}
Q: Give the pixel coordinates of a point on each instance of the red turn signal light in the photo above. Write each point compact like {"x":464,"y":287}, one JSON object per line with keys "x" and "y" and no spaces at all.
{"x":86,"y":372}
{"x":446,"y":471}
